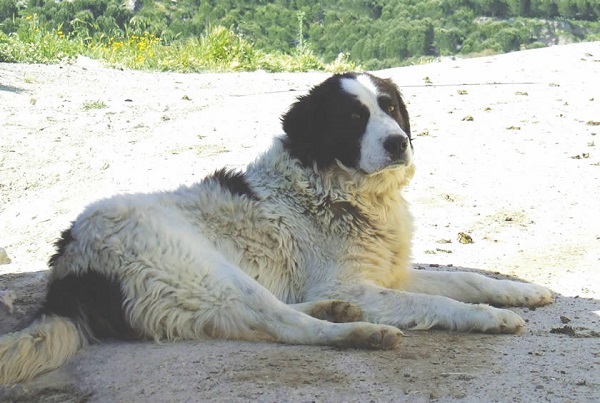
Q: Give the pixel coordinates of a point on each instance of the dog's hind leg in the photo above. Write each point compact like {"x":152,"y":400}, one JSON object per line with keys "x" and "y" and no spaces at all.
{"x":267,"y":315}
{"x":208,"y":297}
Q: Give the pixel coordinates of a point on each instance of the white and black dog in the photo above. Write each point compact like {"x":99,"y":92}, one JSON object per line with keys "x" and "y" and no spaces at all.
{"x":315,"y":231}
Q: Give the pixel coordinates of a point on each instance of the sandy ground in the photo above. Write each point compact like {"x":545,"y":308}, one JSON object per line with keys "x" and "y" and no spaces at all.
{"x":507,"y":152}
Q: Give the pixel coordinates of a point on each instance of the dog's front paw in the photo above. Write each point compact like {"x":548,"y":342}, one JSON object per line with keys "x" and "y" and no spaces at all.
{"x":537,"y":296}
{"x":337,"y":311}
{"x":525,"y":294}
{"x":494,"y":320}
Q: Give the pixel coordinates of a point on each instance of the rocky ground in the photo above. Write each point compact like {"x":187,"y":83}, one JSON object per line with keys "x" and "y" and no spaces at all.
{"x":506,"y":150}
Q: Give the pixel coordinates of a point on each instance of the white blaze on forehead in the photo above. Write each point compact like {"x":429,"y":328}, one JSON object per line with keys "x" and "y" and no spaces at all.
{"x":363,"y":88}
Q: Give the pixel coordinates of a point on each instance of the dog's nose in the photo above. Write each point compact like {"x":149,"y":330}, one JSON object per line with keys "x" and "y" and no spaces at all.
{"x":395,"y":146}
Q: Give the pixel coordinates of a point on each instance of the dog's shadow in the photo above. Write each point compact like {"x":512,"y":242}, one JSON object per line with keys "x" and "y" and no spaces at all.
{"x":21,"y":295}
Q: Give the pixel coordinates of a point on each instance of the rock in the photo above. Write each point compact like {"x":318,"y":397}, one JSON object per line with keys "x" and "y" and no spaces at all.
{"x":4,"y":259}
{"x":464,"y":238}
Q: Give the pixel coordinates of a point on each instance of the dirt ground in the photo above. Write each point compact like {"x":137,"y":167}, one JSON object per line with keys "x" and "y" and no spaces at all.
{"x":507,"y":151}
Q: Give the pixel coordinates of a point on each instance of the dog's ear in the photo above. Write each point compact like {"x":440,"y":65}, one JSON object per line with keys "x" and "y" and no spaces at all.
{"x":298,"y":122}
{"x":301,"y":125}
{"x":305,"y":119}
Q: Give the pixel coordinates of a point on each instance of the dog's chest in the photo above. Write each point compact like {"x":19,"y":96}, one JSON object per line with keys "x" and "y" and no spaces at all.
{"x":380,"y":252}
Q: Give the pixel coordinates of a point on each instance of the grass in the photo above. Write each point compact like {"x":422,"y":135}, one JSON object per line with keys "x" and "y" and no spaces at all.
{"x":218,"y":49}
{"x":94,"y":105}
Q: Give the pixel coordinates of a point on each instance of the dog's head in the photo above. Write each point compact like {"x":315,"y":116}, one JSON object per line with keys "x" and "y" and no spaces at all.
{"x":357,"y":119}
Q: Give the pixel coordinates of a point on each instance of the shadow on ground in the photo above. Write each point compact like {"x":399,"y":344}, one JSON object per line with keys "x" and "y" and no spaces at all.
{"x":447,"y":361}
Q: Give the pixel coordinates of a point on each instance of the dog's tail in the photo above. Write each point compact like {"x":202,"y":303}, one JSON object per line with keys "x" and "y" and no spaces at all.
{"x":44,"y":345}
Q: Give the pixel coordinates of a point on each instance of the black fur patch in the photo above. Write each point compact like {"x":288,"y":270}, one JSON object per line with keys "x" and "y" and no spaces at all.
{"x":235,"y":182}
{"x":91,"y":299}
{"x":65,"y":238}
{"x":320,"y":128}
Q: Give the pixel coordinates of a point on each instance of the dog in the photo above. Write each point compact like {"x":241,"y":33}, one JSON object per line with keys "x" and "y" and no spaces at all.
{"x":310,"y":244}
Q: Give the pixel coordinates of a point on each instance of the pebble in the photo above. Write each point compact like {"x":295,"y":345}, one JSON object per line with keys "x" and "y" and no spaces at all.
{"x":4,"y":259}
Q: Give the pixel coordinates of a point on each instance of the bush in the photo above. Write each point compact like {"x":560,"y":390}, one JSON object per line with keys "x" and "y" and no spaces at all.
{"x":291,"y":35}
{"x":447,"y":41}
{"x":34,"y":43}
{"x":507,"y":40}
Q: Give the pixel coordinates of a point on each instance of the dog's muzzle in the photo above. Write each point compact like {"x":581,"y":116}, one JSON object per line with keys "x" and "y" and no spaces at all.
{"x":397,"y":148}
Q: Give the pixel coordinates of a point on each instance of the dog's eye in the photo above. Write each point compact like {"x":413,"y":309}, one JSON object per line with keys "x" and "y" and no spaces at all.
{"x":356,"y":116}
{"x":386,"y":104}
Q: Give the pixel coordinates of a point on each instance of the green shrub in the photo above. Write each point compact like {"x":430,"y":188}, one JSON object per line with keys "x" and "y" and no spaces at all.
{"x":34,"y":43}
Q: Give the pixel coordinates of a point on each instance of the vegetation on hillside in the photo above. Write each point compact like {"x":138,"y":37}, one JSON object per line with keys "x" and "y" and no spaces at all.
{"x":188,"y":35}
{"x":218,"y":49}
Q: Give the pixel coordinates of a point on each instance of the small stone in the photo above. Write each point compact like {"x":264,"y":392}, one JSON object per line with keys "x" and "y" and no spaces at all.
{"x":464,"y":238}
{"x":4,"y":259}
{"x":564,"y":319}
